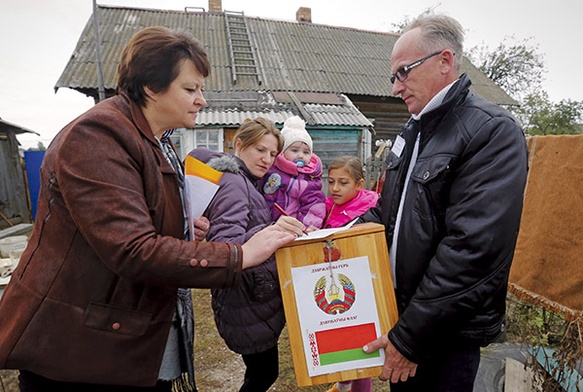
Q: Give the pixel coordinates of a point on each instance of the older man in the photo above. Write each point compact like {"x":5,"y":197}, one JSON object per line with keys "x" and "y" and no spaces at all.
{"x":451,"y":204}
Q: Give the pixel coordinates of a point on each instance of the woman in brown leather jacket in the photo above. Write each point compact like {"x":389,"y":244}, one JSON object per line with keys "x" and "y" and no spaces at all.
{"x":98,"y":301}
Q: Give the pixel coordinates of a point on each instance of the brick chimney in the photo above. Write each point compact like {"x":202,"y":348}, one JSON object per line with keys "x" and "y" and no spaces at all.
{"x":304,"y":14}
{"x":215,"y":6}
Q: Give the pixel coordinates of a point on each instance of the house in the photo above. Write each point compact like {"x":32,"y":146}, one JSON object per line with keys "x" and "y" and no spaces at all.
{"x":14,"y":195}
{"x":336,"y":126}
{"x":336,"y":78}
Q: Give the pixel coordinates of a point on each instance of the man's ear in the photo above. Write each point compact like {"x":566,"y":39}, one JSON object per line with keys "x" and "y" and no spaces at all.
{"x":447,"y":60}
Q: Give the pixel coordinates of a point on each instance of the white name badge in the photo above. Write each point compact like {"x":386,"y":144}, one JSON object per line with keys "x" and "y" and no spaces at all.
{"x":398,"y":146}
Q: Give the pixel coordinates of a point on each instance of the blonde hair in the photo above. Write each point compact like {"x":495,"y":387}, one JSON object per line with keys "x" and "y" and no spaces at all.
{"x":251,"y":131}
{"x":351,"y":164}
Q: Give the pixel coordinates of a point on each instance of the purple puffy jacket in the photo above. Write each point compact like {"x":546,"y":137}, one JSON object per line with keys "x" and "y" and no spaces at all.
{"x":250,"y":317}
{"x":297,"y":190}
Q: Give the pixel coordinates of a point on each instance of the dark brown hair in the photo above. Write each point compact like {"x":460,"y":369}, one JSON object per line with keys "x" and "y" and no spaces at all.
{"x":153,"y":58}
{"x":351,"y":164}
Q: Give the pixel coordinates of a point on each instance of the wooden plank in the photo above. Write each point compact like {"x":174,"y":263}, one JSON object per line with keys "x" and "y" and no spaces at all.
{"x":19,"y":229}
{"x":517,"y":377}
{"x":570,"y":379}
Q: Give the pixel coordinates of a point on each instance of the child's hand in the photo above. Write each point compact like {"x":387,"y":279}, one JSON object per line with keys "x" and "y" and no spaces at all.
{"x":311,"y":228}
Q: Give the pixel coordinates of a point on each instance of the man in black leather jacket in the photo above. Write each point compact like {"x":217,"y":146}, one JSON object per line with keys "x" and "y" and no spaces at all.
{"x":451,"y":204}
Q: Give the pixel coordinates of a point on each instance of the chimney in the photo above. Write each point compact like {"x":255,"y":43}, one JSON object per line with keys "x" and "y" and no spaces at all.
{"x":215,"y":6}
{"x":304,"y":14}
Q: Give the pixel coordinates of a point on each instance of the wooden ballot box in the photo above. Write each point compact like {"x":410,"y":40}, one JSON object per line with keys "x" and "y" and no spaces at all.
{"x":338,"y":295}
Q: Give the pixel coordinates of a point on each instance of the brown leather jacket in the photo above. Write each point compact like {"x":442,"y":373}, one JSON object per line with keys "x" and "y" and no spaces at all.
{"x":94,"y":293}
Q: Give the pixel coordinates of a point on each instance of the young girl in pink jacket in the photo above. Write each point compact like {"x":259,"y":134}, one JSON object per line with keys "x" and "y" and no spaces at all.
{"x":347,"y":200}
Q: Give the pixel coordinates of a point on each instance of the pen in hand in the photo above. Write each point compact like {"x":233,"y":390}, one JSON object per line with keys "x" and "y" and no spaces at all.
{"x":282,"y":212}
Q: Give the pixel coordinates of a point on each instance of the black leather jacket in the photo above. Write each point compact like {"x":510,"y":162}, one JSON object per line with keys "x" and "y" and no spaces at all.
{"x":459,"y":222}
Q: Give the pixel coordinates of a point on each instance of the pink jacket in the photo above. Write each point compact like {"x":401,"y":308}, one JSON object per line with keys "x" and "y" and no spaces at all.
{"x":339,"y":215}
{"x":297,"y":190}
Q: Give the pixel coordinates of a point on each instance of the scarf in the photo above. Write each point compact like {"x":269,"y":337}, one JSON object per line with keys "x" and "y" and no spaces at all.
{"x":178,"y":361}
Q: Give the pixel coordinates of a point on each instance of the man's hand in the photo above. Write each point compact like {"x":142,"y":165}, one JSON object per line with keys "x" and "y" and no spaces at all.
{"x":396,"y":367}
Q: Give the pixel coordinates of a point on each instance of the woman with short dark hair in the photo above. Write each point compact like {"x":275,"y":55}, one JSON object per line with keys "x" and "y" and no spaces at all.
{"x":100,"y":300}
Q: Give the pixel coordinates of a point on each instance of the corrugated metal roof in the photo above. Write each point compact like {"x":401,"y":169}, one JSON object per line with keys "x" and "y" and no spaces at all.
{"x":231,"y":108}
{"x":6,"y":126}
{"x":234,"y":118}
{"x":291,"y":55}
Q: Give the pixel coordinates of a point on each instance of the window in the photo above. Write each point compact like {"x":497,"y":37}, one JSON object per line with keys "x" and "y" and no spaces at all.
{"x":187,"y":139}
{"x":208,"y":138}
{"x":177,"y":140}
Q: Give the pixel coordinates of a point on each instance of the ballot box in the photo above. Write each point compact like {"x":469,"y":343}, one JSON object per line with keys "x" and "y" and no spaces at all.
{"x":338,"y":295}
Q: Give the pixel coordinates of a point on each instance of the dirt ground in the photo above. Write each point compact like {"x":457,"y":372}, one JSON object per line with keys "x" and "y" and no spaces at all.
{"x":217,"y":368}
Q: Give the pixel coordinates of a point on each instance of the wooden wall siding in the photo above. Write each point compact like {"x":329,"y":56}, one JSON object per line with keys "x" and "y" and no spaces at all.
{"x":329,"y":144}
{"x":387,"y":115}
{"x":229,"y":135}
{"x":13,"y":190}
{"x":332,"y":143}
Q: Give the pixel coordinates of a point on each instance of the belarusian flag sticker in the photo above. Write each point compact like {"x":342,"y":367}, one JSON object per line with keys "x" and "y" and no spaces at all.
{"x":337,"y":314}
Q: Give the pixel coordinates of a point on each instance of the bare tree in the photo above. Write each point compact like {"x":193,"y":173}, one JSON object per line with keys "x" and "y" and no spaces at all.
{"x":517,"y":67}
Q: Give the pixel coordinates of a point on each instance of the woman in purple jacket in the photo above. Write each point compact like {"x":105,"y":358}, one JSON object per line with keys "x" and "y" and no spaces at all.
{"x":249,"y":317}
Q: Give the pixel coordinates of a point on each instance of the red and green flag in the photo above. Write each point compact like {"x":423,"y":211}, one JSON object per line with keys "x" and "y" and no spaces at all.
{"x":345,"y":344}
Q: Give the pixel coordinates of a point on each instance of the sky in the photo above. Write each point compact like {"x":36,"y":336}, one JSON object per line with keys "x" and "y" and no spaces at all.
{"x":37,"y":38}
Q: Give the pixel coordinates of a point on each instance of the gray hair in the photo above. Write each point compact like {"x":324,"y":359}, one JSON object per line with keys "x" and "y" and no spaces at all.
{"x":440,"y":32}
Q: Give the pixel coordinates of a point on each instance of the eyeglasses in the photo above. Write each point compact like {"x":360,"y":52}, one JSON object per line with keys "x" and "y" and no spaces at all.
{"x":403,"y":72}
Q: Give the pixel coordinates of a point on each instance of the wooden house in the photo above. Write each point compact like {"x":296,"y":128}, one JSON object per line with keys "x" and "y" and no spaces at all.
{"x":336,"y":78}
{"x":14,"y":195}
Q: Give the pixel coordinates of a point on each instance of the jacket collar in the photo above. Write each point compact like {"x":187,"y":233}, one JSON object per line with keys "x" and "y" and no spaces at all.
{"x":454,"y":96}
{"x":137,"y":115}
{"x":246,"y":171}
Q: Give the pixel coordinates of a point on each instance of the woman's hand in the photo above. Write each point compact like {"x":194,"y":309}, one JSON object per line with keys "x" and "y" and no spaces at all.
{"x":265,"y":242}
{"x":311,"y":228}
{"x":291,"y":225}
{"x":201,"y":228}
